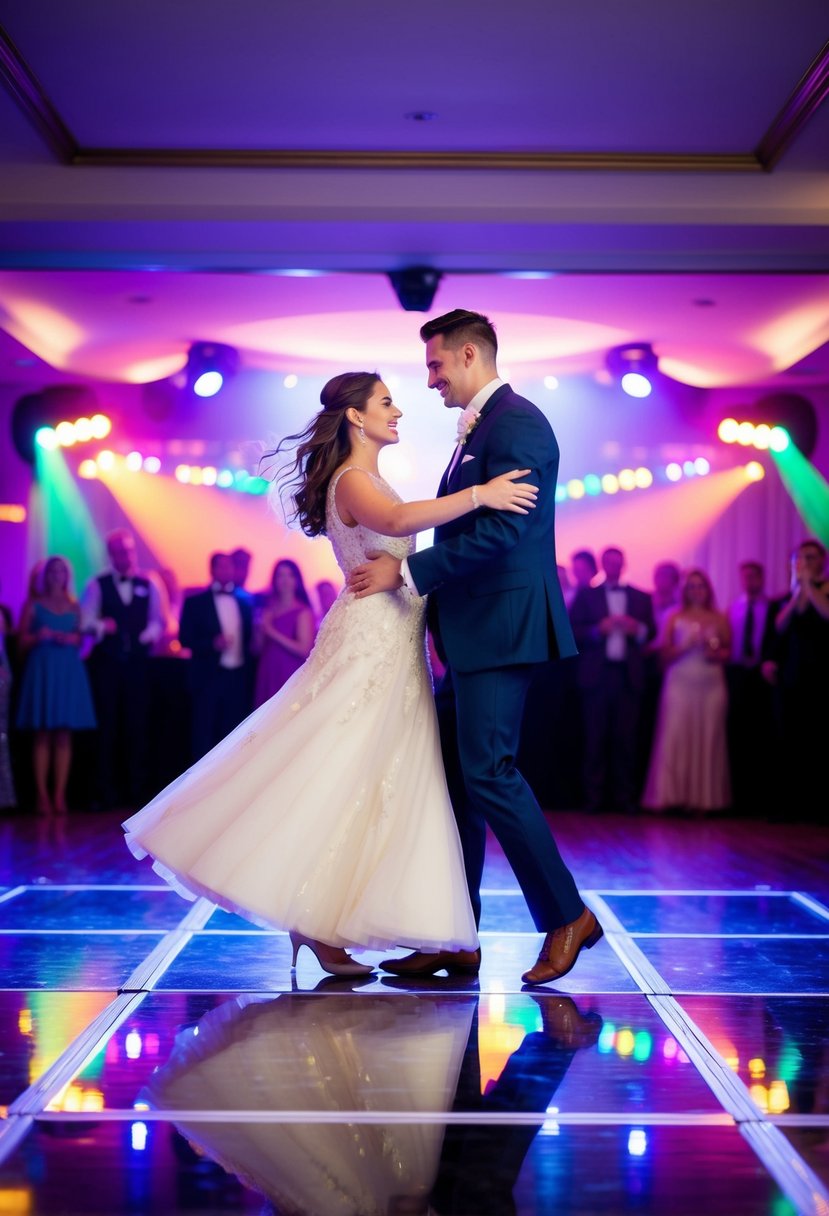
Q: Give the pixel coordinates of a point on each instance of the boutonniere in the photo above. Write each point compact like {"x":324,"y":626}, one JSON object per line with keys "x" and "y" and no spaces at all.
{"x":467,"y":422}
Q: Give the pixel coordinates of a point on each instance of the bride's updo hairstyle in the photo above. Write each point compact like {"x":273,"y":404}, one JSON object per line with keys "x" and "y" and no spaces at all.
{"x":321,"y":448}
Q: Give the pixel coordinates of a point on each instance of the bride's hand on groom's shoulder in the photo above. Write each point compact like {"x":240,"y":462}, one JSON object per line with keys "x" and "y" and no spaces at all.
{"x":380,"y":573}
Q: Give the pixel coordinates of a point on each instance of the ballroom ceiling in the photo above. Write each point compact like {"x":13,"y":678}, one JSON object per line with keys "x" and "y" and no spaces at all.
{"x":162,"y":166}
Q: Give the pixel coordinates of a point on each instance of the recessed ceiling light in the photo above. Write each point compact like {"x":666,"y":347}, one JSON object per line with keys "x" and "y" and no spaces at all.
{"x":704,"y":302}
{"x":421,"y":115}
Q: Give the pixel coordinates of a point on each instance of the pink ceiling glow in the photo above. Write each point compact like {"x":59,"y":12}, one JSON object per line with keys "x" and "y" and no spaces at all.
{"x":136,"y":326}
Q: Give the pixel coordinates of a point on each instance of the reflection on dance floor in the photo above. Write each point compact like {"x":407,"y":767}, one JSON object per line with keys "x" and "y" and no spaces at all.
{"x":156,"y":1057}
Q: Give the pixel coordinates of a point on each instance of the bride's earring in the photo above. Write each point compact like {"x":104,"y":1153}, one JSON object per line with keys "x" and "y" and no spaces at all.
{"x":362,"y":434}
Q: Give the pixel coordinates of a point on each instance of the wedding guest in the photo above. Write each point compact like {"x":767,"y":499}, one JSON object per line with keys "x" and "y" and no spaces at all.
{"x":689,"y":762}
{"x":7,"y":793}
{"x":241,"y":559}
{"x":288,"y":630}
{"x":665,"y":595}
{"x":121,"y":610}
{"x":584,"y":569}
{"x":750,"y":713}
{"x":54,"y":696}
{"x":612,"y":624}
{"x":326,"y":593}
{"x":798,"y":662}
{"x":665,"y":600}
{"x":169,"y":599}
{"x":217,"y":627}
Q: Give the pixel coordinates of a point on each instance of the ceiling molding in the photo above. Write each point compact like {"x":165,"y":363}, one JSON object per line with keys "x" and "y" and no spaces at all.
{"x":808,"y":94}
{"x":329,"y":158}
{"x":29,"y":94}
{"x":33,"y":100}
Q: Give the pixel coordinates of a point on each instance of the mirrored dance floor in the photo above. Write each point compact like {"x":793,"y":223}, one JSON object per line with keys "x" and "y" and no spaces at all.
{"x":158,"y":1056}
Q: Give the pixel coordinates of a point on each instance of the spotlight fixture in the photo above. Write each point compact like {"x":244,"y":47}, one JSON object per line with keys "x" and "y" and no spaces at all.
{"x":209,"y":365}
{"x":415,"y":287}
{"x":633,"y":366}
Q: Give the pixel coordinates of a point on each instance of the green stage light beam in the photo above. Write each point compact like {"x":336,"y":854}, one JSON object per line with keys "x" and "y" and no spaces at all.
{"x":63,"y":523}
{"x":807,"y":488}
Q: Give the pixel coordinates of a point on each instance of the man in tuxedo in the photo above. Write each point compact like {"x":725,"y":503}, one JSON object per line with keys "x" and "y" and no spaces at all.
{"x":612,"y":624}
{"x":496,"y":611}
{"x":217,"y":628}
{"x":750,"y":711}
{"x":122,"y":611}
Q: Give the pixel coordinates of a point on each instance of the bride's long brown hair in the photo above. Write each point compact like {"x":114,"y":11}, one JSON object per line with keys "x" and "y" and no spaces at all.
{"x":320,"y":449}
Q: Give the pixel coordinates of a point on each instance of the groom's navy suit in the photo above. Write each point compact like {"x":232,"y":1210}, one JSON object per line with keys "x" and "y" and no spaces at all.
{"x":496,"y":610}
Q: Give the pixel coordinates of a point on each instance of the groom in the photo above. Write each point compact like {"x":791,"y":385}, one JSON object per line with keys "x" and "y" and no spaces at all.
{"x":496,"y":609}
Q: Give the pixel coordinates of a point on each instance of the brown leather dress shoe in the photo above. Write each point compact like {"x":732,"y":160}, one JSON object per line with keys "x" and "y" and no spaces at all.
{"x":561,"y":949}
{"x":419,"y":964}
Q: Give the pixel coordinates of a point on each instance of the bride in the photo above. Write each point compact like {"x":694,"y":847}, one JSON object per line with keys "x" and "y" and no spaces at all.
{"x":326,"y":811}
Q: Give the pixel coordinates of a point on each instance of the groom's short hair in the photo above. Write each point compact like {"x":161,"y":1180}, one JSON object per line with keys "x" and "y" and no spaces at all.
{"x":459,"y":326}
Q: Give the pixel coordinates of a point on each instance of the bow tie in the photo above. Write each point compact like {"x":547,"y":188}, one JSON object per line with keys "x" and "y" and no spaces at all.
{"x":222,"y":588}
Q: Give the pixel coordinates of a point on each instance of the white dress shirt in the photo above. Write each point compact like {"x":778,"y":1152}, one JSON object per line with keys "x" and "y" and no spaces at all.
{"x":477,"y":404}
{"x":230,"y":619}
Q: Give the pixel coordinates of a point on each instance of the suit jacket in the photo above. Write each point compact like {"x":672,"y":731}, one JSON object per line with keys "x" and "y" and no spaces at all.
{"x":587,"y":610}
{"x":200,"y":626}
{"x":494,"y":594}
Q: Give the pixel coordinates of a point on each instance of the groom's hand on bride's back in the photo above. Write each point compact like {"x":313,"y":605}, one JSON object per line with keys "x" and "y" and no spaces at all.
{"x":380,"y":573}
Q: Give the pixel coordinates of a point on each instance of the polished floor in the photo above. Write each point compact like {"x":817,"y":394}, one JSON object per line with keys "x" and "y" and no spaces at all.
{"x":157,"y":1056}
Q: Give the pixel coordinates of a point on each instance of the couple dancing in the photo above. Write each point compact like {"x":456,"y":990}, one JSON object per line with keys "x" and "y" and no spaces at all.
{"x":326,"y":812}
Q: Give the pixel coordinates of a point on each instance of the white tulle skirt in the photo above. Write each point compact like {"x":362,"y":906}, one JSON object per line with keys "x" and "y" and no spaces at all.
{"x":326,"y":811}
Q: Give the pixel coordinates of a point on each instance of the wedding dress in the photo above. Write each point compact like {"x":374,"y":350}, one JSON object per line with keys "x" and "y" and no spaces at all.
{"x":326,"y":811}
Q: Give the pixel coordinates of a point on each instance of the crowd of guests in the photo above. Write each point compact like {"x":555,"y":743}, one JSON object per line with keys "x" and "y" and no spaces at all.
{"x":680,"y":705}
{"x":85,"y":664}
{"x":687,"y":706}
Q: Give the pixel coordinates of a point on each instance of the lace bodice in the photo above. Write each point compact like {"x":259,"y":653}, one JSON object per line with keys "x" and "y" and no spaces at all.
{"x":352,"y":545}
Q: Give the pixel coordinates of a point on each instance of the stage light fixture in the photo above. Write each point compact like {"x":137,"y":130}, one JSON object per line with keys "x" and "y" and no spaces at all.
{"x":415,"y":287}
{"x":152,"y":464}
{"x":551,"y":383}
{"x":727,"y":430}
{"x":209,"y":366}
{"x":673,"y":471}
{"x":779,"y":439}
{"x":105,"y":460}
{"x":627,"y":479}
{"x":291,"y":381}
{"x":224,"y":479}
{"x":575,"y":488}
{"x":702,"y":466}
{"x":134,"y":462}
{"x":88,"y":469}
{"x":634,"y":366}
{"x":592,"y":484}
{"x":610,"y":483}
{"x":754,"y":471}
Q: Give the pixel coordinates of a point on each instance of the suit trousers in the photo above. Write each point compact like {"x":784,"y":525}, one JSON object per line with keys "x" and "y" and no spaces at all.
{"x":487,"y":788}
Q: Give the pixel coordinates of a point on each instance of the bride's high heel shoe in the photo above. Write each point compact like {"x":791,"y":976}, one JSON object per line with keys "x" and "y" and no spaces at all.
{"x":343,"y":965}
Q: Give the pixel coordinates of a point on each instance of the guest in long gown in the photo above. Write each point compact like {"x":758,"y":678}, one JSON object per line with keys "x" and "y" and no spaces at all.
{"x":55,"y":698}
{"x":287,"y":627}
{"x":689,"y":761}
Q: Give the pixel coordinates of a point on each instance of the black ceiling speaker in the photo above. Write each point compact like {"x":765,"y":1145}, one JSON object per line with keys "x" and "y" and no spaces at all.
{"x":415,"y":287}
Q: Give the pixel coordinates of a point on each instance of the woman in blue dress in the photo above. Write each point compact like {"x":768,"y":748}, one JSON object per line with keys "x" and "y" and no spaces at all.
{"x":54,"y":697}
